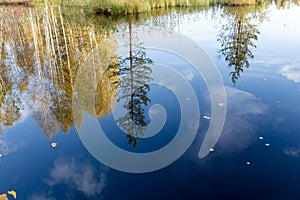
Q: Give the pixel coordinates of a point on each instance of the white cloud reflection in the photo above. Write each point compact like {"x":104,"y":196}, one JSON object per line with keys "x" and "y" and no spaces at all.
{"x":77,"y":175}
{"x":244,"y":111}
{"x":291,"y":72}
{"x":189,"y":74}
{"x":8,"y":147}
{"x":40,"y":197}
{"x":292,"y":151}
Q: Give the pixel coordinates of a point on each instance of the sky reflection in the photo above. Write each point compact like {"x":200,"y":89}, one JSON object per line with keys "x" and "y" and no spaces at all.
{"x":264,"y":103}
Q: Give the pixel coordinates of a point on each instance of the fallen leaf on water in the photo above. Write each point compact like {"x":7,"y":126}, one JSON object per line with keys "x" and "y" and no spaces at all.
{"x":13,"y":193}
{"x":53,"y":144}
{"x":3,"y":197}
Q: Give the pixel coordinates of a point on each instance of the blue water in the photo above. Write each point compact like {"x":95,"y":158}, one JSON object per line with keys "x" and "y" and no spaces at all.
{"x":264,"y":102}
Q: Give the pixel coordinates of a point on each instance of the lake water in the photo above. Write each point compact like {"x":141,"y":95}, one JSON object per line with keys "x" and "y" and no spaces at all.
{"x":181,"y":104}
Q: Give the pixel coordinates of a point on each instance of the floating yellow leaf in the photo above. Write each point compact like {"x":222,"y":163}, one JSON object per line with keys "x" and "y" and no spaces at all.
{"x":3,"y":197}
{"x":13,"y":193}
{"x":53,"y":144}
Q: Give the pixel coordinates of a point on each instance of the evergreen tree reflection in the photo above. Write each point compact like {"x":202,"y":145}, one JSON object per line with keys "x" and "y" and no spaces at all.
{"x":135,"y":75}
{"x":238,"y":36}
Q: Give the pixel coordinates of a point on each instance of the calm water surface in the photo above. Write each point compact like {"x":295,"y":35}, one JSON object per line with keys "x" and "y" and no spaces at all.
{"x":51,"y":60}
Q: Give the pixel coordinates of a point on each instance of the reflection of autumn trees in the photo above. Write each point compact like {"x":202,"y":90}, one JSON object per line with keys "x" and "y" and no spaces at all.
{"x":96,"y":85}
{"x":40,"y":55}
{"x":43,"y":48}
{"x":282,"y":3}
{"x":11,"y":76}
{"x":238,"y":36}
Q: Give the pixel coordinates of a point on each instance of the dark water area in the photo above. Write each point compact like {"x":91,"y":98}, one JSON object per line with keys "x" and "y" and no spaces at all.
{"x":178,"y":104}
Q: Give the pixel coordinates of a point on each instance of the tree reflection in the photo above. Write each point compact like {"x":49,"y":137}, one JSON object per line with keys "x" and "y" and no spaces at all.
{"x":135,"y":72}
{"x":43,"y":48}
{"x":238,"y":36}
{"x":282,"y":4}
{"x":40,"y":54}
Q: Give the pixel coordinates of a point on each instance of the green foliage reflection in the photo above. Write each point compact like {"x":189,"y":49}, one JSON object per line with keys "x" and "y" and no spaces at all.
{"x":135,"y":76}
{"x":238,"y":35}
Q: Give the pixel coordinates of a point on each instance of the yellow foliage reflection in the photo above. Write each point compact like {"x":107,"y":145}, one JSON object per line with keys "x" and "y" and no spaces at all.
{"x":40,"y":54}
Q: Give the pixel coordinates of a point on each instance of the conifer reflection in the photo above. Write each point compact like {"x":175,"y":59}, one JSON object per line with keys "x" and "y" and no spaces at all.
{"x":238,"y":36}
{"x":135,"y":76}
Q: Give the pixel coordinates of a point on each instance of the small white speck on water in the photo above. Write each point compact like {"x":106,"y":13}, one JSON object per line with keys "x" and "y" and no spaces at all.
{"x":221,"y":104}
{"x":206,"y":117}
{"x":261,"y":138}
{"x":267,"y":144}
{"x":248,"y":163}
{"x":211,"y":149}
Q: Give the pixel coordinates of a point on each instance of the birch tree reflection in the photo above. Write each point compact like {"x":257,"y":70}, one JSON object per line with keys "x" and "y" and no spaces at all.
{"x":238,"y":36}
{"x":40,"y":54}
{"x":282,"y":4}
{"x":135,"y":76}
